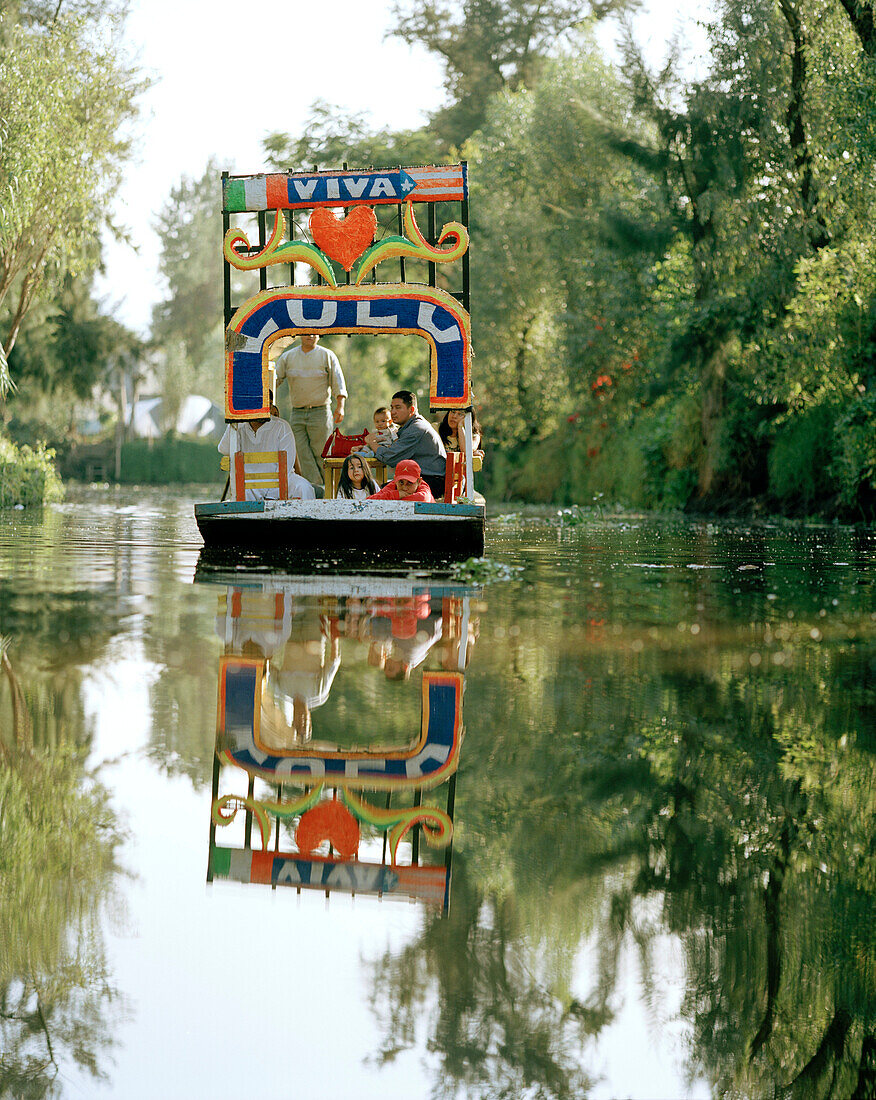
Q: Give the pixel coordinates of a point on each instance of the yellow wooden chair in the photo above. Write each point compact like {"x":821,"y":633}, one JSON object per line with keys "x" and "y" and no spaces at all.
{"x":454,"y":474}
{"x":259,"y":471}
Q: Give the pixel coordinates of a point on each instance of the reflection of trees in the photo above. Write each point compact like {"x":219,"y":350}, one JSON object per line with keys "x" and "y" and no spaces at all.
{"x":57,"y":633}
{"x":602,"y":785}
{"x":183,"y":694}
{"x":57,"y":863}
{"x":183,"y":647}
{"x":498,"y":1029}
{"x":757,"y":836}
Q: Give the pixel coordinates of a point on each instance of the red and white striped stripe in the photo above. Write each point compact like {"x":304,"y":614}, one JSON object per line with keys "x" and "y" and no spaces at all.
{"x":439,"y":183}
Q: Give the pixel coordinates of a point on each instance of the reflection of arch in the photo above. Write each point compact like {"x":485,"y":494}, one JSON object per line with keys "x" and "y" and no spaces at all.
{"x":423,"y":311}
{"x":430,"y":761}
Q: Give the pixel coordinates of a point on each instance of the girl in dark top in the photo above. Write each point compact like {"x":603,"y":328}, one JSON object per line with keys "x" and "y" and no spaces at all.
{"x":356,"y":482}
{"x":452,"y":432}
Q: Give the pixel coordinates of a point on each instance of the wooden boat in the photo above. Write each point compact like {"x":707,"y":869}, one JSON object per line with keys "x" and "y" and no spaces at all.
{"x":449,"y":530}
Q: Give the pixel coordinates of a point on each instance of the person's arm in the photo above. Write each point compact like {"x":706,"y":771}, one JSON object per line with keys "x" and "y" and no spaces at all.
{"x":338,"y":387}
{"x":475,"y":439}
{"x":422,"y":493}
{"x":388,"y":492}
{"x":279,"y":372}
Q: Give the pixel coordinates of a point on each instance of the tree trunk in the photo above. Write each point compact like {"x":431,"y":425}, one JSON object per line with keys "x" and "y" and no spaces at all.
{"x":816,"y":230}
{"x":121,"y":422}
{"x":863,"y":23}
{"x":522,"y":385}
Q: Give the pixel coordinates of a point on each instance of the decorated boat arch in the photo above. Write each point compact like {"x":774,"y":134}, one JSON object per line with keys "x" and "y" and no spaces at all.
{"x":342,"y":256}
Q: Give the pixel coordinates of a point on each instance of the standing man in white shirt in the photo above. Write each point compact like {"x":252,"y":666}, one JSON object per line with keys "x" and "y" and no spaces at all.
{"x":314,"y":377}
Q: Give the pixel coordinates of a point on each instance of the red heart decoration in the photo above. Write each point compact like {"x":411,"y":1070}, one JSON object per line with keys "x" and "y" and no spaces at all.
{"x":328,"y":820}
{"x":343,"y":239}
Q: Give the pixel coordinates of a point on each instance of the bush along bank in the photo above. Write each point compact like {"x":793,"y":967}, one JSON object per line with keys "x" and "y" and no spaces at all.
{"x":27,"y":475}
{"x":819,"y":464}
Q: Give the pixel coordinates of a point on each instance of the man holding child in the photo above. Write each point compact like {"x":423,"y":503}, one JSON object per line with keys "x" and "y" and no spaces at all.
{"x":417,"y":440}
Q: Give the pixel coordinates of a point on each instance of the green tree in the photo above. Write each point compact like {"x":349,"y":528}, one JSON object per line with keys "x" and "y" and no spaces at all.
{"x":332,"y":136}
{"x":487,"y":46}
{"x":551,"y":198}
{"x":65,"y":99}
{"x":66,"y":350}
{"x":188,"y":324}
{"x":46,"y":13}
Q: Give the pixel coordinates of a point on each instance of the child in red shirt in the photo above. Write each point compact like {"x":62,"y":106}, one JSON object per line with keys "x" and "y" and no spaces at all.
{"x":406,"y":485}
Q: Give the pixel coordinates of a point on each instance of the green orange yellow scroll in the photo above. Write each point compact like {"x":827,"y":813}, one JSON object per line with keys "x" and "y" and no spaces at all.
{"x":276,"y":252}
{"x":436,"y":824}
{"x":342,"y":240}
{"x":224,"y":809}
{"x":415,"y":245}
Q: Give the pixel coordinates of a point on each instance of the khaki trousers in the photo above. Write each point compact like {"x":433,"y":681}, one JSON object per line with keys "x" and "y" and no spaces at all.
{"x":311,"y":428}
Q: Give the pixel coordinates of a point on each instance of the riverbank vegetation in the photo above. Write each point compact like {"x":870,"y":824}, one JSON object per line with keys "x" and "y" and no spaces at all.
{"x":672,"y":262}
{"x":27,"y":475}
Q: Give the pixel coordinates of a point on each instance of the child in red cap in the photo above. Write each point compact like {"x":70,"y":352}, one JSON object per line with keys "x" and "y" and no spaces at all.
{"x":406,"y":485}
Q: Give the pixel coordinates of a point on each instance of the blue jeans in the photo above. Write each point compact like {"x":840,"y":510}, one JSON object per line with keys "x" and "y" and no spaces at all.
{"x":311,"y":428}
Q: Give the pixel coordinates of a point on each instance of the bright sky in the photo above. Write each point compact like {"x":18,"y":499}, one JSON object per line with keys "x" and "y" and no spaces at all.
{"x":227,"y":74}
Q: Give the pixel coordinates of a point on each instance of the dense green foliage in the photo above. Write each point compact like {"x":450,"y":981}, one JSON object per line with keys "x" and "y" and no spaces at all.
{"x":27,"y":475}
{"x":673,"y":296}
{"x":673,"y":293}
{"x":68,"y":96}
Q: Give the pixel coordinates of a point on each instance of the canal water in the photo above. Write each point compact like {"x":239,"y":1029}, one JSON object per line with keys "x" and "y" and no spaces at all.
{"x":649,"y":742}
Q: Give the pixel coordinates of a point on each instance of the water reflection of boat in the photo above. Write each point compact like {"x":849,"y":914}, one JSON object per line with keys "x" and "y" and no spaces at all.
{"x":452,"y":528}
{"x":286,"y":640}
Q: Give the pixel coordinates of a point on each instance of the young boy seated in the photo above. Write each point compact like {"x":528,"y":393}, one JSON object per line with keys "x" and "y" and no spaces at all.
{"x":406,"y":485}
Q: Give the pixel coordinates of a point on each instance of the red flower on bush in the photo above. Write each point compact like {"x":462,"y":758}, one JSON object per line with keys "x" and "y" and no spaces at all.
{"x":574,"y":418}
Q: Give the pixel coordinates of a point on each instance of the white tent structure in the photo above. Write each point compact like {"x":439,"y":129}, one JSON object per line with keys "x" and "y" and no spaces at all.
{"x":198,"y":416}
